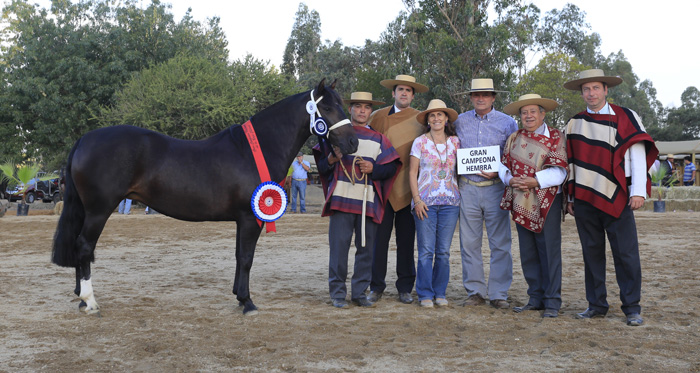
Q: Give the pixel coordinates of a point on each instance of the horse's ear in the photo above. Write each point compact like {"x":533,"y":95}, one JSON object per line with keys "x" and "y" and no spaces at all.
{"x":333,"y":84}
{"x":321,"y":87}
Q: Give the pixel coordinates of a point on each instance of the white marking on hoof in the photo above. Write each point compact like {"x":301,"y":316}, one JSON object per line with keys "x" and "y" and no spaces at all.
{"x":88,"y":297}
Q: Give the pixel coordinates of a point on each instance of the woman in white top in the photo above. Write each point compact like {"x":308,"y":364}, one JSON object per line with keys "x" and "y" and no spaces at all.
{"x":433,"y":181}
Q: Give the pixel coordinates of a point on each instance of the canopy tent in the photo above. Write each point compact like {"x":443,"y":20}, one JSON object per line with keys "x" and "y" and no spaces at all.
{"x":690,"y":147}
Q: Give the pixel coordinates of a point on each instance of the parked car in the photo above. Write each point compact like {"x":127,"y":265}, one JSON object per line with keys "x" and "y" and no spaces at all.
{"x":46,"y":190}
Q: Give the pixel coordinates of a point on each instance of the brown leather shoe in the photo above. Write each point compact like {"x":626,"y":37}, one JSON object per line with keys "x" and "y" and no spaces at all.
{"x":474,"y":300}
{"x":501,"y":304}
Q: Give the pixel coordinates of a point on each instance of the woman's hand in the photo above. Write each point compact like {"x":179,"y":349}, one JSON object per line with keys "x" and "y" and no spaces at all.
{"x":421,"y":209}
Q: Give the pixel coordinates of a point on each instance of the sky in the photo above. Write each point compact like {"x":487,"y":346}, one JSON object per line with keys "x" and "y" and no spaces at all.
{"x":659,"y":41}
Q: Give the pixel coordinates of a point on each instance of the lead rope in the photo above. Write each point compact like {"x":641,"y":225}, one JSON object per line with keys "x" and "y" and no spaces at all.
{"x":364,"y":195}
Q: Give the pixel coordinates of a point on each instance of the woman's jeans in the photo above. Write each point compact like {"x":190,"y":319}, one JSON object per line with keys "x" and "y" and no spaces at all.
{"x":434,"y":237}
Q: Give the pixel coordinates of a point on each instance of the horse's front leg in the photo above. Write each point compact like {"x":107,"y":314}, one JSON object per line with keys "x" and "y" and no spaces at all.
{"x":247,"y":234}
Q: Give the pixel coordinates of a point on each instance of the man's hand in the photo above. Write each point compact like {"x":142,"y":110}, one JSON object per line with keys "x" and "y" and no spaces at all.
{"x":524,"y":183}
{"x":636,"y":202}
{"x":366,"y":167}
{"x":570,"y":208}
{"x":335,"y":156}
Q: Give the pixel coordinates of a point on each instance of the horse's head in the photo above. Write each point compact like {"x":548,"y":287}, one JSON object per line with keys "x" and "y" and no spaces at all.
{"x":330,"y":107}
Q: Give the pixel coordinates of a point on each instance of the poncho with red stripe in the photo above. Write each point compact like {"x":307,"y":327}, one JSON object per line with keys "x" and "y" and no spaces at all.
{"x":596,"y":146}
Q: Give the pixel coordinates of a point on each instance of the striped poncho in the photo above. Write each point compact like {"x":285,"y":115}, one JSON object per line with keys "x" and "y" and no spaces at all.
{"x":344,"y":195}
{"x":596,"y":146}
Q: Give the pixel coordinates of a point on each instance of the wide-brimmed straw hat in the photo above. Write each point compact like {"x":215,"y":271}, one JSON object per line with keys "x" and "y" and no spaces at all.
{"x":592,"y":75}
{"x":530,"y":99}
{"x":482,"y":85}
{"x":362,"y":98}
{"x":437,"y":105}
{"x":405,"y":80}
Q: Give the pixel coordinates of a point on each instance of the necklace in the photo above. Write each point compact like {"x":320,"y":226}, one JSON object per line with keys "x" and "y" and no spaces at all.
{"x":442,"y":174}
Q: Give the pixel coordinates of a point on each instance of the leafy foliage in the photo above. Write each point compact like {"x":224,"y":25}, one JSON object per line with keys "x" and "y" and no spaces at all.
{"x":63,"y":65}
{"x":547,"y":80}
{"x":22,"y":175}
{"x":683,"y":123}
{"x":192,"y":97}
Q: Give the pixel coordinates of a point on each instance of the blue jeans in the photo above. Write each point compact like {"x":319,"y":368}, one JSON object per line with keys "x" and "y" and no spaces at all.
{"x":125,"y":206}
{"x":434,"y":235}
{"x":299,"y":186}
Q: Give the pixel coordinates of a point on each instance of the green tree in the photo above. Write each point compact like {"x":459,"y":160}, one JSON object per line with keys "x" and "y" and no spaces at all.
{"x":683,"y":123}
{"x":191,"y":97}
{"x":303,"y":43}
{"x":64,"y":64}
{"x":565,"y":31}
{"x":446,"y":44}
{"x":547,"y":80}
{"x":631,"y":93}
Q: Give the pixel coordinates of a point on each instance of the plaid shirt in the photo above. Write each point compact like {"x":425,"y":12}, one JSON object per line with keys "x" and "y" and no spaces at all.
{"x":474,"y":131}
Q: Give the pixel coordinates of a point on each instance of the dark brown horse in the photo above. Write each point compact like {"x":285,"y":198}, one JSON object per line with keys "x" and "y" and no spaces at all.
{"x":207,"y":180}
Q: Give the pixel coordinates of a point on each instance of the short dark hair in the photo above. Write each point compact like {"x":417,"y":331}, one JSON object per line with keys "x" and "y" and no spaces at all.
{"x":413,"y":90}
{"x":687,"y":158}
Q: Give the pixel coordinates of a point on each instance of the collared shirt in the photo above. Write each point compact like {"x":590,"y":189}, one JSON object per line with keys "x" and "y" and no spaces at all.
{"x":549,"y":177}
{"x":635,"y":158}
{"x":299,"y":172}
{"x":688,"y":172}
{"x":474,"y":131}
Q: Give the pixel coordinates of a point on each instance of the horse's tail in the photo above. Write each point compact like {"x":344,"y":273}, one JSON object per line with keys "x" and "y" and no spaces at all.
{"x":65,"y":250}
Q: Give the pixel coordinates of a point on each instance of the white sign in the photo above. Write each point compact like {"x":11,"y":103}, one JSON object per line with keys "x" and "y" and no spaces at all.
{"x":475,"y":160}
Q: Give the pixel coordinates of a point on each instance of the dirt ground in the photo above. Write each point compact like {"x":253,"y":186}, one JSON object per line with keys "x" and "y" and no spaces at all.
{"x":164,"y":288}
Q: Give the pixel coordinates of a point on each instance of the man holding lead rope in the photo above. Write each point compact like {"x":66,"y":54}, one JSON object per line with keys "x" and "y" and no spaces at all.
{"x":356,"y":187}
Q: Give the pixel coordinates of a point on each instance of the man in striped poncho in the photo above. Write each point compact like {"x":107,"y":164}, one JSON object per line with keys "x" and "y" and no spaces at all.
{"x":609,"y":156}
{"x":354,"y":184}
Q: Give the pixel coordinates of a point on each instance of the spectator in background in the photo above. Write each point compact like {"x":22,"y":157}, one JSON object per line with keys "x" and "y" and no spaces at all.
{"x":667,"y":168}
{"x":689,"y":172}
{"x":125,"y":206}
{"x":299,"y":176}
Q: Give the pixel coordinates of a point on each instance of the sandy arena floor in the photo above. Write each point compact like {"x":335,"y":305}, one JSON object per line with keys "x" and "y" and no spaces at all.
{"x":164,"y":287}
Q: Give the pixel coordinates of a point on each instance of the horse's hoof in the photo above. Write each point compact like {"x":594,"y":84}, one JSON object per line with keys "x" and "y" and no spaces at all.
{"x":82,"y":306}
{"x":249,"y":309}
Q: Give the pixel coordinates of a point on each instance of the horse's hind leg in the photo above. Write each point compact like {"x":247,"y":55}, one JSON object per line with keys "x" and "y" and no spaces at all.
{"x":86,"y":247}
{"x":247,"y":234}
